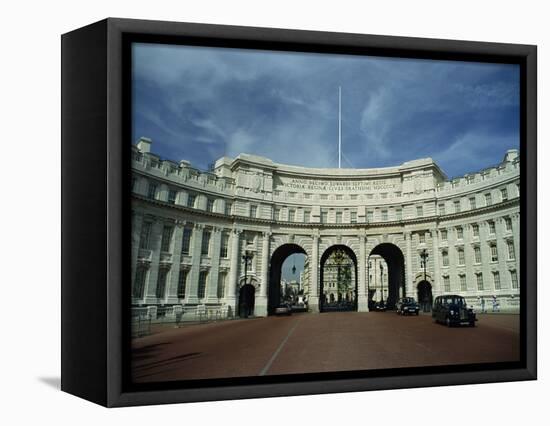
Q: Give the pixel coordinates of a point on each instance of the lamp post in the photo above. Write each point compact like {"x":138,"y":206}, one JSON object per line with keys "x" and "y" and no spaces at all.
{"x":382,"y":282}
{"x":247,"y":257}
{"x":424,"y":261}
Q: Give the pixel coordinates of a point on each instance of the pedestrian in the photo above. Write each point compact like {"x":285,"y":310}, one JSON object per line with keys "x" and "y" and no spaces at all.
{"x":495,"y":304}
{"x":482,"y":305}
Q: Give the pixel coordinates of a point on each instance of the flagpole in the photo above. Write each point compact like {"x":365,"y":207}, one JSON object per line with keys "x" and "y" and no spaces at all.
{"x":339,"y":127}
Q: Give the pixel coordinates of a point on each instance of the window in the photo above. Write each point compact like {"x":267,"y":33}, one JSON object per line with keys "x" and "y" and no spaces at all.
{"x":492,"y":229}
{"x":186,"y":241}
{"x":172,"y":196}
{"x":209,"y":205}
{"x":477,"y":254}
{"x":133,"y":184}
{"x":475,"y":230}
{"x":460,"y":253}
{"x":385,"y":215}
{"x":472,"y":203}
{"x":442,"y":209}
{"x":166,"y":241}
{"x":398,"y":214}
{"x":514,"y":279}
{"x":508,"y":223}
{"x":370,"y":216}
{"x":338,"y":217}
{"x":324,"y":197}
{"x":221,"y":285}
{"x":488,"y":199}
{"x":307,"y":196}
{"x":292,"y":195}
{"x":504,"y":194}
{"x":292,"y":215}
{"x":353,"y":217}
{"x":462,"y":280}
{"x":457,"y":206}
{"x":353,"y":197}
{"x":511,"y":250}
{"x":445,"y":257}
{"x":447,"y":284}
{"x":227,"y":208}
{"x":205,"y":246}
{"x":443,"y":235}
{"x":307,"y":216}
{"x":496,"y":280}
{"x":145,"y":235}
{"x":203,"y":275}
{"x":339,"y":197}
{"x":384,"y":195}
{"x":398,"y":194}
{"x":161,"y":282}
{"x":419,"y":211}
{"x":479,"y":281}
{"x":191,"y":200}
{"x":182,"y":283}
{"x":152,"y":191}
{"x":324,"y":216}
{"x":422,"y":238}
{"x":224,"y":245}
{"x":494,"y":253}
{"x":276,"y":214}
{"x":369,"y":196}
{"x":459,"y":232}
{"x":253,"y":211}
{"x":139,"y":282}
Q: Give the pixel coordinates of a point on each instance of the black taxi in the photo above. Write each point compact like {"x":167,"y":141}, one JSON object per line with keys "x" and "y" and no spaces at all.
{"x":452,"y":310}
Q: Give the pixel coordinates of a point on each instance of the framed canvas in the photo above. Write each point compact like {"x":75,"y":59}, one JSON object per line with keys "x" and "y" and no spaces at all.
{"x":255,"y":212}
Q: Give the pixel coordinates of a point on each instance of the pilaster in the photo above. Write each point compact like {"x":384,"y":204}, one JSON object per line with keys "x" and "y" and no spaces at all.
{"x":313,"y":300}
{"x":191,"y":295}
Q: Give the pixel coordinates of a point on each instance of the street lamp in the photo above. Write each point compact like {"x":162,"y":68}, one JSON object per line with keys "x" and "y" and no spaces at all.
{"x":247,"y":257}
{"x":382,"y":282}
{"x":424,"y":262}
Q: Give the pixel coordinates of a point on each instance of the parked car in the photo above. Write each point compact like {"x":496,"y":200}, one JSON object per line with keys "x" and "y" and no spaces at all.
{"x":452,"y":310}
{"x":380,"y":306}
{"x":284,"y":309}
{"x":407,"y":306}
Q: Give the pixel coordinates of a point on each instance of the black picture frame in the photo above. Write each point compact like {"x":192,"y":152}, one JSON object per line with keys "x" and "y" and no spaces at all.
{"x":95,"y":209}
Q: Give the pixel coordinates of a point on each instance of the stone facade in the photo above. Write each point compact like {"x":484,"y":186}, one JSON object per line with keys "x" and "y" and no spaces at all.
{"x":190,"y":229}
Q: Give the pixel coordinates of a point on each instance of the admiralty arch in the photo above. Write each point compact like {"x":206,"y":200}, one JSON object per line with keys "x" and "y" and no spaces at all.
{"x":215,"y":241}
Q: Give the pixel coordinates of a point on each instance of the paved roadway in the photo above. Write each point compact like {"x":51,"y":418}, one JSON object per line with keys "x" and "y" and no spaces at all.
{"x":304,"y":343}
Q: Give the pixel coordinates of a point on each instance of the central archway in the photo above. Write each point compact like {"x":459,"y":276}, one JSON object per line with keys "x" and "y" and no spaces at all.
{"x":395,"y":261}
{"x":338,"y":280}
{"x":275,"y":267}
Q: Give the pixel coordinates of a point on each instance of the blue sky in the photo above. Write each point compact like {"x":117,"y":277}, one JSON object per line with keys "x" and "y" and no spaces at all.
{"x":200,"y":103}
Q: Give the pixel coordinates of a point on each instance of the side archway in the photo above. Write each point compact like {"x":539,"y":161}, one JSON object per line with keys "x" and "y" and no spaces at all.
{"x":277,"y":259}
{"x":425,"y":296}
{"x":393,"y":256}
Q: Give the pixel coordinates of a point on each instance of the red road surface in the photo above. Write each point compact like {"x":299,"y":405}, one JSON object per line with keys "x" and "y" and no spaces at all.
{"x":306,"y":343}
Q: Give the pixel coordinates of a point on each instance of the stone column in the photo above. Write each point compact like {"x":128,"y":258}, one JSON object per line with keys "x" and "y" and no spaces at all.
{"x":213,"y":275}
{"x":172,"y":285}
{"x":151,"y":282}
{"x":516,"y":235}
{"x":408,"y":264}
{"x":313,"y":299}
{"x":437,"y":274}
{"x":191,"y":295}
{"x":362,"y":297}
{"x":137,"y":220}
{"x":231,"y":294}
{"x":260,"y":304}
